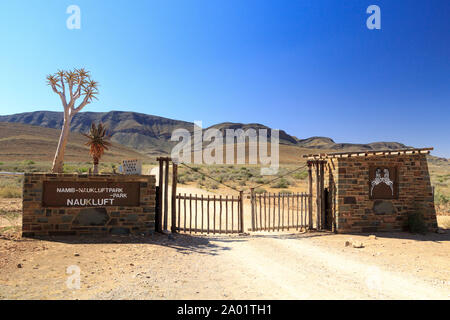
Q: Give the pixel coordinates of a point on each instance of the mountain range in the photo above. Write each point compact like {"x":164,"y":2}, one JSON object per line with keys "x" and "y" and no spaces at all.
{"x":150,"y":135}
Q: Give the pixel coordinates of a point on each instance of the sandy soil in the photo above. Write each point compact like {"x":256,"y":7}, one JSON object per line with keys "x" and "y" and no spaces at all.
{"x":10,"y":205}
{"x":263,"y":266}
{"x":296,"y":265}
{"x":10,"y":212}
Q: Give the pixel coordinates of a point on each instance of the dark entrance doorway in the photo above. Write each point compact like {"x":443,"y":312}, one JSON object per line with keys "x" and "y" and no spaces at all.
{"x":328,"y":214}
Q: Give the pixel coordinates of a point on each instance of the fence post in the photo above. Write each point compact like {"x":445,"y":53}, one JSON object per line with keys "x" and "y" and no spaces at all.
{"x":158,"y":217}
{"x":322,"y":193}
{"x":241,"y":213}
{"x":166,"y":193}
{"x":174,"y":196}
{"x":310,"y":210}
{"x":317,"y":195}
{"x":252,"y":199}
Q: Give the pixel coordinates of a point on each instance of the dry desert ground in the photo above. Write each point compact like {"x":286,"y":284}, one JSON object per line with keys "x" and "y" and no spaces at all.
{"x":289,"y":265}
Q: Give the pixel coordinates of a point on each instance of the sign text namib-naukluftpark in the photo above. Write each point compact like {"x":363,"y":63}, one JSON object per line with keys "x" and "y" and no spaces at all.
{"x":90,"y":194}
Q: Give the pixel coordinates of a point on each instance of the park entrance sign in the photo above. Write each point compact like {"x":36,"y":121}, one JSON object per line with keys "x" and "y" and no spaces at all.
{"x":90,"y":194}
{"x":81,"y":204}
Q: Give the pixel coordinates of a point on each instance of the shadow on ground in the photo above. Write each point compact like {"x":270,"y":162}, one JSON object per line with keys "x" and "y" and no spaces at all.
{"x":431,"y":236}
{"x":214,"y":244}
{"x":182,"y":243}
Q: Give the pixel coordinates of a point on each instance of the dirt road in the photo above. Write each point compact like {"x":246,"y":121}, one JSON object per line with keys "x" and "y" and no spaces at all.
{"x":256,"y":266}
{"x":269,"y":266}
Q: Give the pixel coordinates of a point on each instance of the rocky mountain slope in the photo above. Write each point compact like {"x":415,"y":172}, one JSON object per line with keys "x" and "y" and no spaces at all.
{"x":151,"y":134}
{"x":21,"y":142}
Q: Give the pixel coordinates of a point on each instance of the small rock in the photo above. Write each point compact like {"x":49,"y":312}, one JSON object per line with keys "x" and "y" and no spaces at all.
{"x":372,"y":237}
{"x":348,"y":243}
{"x":76,"y":254}
{"x":19,"y":265}
{"x":358,"y":245}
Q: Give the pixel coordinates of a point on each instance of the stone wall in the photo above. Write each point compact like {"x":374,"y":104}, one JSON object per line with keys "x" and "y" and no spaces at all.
{"x":356,"y":212}
{"x":45,"y":221}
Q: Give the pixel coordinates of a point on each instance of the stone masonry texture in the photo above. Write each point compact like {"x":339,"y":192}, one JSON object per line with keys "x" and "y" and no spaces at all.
{"x":40,"y":221}
{"x":355,"y":212}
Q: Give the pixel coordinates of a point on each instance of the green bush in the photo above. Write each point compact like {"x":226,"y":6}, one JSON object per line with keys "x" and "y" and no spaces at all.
{"x":281,"y":184}
{"x":82,"y":170}
{"x":259,"y":180}
{"x":185,"y":178}
{"x":300,"y":175}
{"x":260,"y":190}
{"x":441,"y":199}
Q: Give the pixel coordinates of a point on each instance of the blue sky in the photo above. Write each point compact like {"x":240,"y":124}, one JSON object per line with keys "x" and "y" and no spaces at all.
{"x":308,"y":67}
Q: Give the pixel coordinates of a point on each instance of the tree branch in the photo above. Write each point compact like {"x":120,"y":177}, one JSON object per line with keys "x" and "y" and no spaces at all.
{"x":63,"y":87}
{"x":61,"y":95}
{"x":82,"y":104}
{"x":71,"y":89}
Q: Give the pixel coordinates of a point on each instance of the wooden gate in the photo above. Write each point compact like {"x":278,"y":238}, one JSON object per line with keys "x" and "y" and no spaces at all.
{"x":210,"y":214}
{"x":225,"y":214}
{"x":281,"y":211}
{"x":194,"y":213}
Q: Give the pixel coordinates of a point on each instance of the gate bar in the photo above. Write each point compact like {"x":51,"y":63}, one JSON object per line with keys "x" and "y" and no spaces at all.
{"x":174,"y":197}
{"x":166,"y":193}
{"x":241,"y":202}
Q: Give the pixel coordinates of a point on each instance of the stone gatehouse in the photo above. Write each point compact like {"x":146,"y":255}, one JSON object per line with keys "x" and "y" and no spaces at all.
{"x":372,"y":191}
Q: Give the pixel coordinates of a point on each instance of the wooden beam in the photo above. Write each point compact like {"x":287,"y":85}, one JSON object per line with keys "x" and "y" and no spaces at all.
{"x":241,"y":210}
{"x":166,"y":193}
{"x":368,"y":153}
{"x":174,"y":196}
{"x":318,"y":213}
{"x":310,"y":188}
{"x":158,"y":219}
{"x":322,"y":198}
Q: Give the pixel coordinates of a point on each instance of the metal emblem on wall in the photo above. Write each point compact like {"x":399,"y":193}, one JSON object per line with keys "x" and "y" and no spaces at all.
{"x":383,"y":182}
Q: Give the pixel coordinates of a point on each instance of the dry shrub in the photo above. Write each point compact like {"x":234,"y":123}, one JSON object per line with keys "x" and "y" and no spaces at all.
{"x":10,"y":192}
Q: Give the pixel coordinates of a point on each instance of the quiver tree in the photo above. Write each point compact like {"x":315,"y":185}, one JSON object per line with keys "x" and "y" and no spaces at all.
{"x":97,"y":142}
{"x":70,"y":86}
